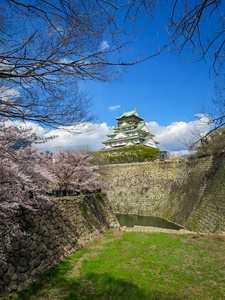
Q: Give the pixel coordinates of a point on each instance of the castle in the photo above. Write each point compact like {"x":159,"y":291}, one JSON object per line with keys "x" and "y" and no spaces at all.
{"x":131,"y":130}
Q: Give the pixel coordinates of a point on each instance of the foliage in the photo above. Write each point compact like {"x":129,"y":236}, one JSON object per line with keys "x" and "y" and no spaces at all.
{"x":100,"y":158}
{"x":22,"y":176}
{"x":74,"y":171}
{"x":99,"y":197}
{"x":137,"y":266}
{"x":213,"y":144}
{"x":134,"y":153}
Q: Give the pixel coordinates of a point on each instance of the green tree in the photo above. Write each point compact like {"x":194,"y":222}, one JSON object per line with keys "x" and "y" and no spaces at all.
{"x":134,"y":153}
{"x":100,"y":158}
{"x":213,"y":144}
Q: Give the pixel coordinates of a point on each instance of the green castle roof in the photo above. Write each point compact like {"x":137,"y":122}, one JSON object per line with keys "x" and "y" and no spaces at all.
{"x":136,"y":129}
{"x":124,"y":139}
{"x":137,"y":126}
{"x":129,"y":114}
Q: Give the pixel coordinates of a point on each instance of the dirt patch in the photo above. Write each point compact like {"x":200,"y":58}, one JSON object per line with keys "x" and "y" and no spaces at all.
{"x":97,"y":244}
{"x":75,"y":271}
{"x":54,"y":295}
{"x":209,"y":237}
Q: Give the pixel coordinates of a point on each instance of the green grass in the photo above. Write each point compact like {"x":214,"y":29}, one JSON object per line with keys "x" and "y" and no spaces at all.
{"x":138,"y":266}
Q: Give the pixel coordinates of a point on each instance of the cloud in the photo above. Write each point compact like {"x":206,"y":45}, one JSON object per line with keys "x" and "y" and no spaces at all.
{"x":173,"y":137}
{"x":6,"y":65}
{"x":84,"y":134}
{"x":169,"y":137}
{"x":8,"y":94}
{"x":66,"y":140}
{"x":114,"y":107}
{"x":65,"y":61}
{"x":104,"y":45}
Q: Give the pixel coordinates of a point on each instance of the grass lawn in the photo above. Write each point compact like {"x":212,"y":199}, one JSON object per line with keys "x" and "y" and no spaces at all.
{"x":138,"y":266}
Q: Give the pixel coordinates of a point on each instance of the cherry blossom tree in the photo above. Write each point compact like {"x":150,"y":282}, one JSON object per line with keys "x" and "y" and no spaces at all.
{"x":22,"y":175}
{"x":75,"y":171}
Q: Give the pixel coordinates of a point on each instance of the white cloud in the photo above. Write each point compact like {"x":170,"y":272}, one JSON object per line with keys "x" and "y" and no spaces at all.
{"x":8,"y":93}
{"x":86,"y":134}
{"x":173,"y":137}
{"x":104,"y":45}
{"x":67,"y":140}
{"x":169,"y":137}
{"x":40,"y":131}
{"x":114,"y":107}
{"x":65,"y":61}
{"x":6,"y":65}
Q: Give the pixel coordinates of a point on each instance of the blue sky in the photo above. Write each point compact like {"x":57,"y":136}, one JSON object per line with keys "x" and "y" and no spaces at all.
{"x":167,"y":93}
{"x":167,"y":90}
{"x":163,"y":89}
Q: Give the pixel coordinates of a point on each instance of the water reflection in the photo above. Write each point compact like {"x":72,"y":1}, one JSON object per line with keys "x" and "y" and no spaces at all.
{"x":132,"y":220}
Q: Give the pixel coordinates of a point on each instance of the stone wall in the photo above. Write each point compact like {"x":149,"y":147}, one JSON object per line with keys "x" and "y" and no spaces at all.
{"x":197,"y":196}
{"x":191,"y":194}
{"x":54,"y":233}
{"x":140,"y":188}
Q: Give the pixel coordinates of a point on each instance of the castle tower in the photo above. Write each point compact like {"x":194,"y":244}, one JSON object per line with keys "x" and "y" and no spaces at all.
{"x":131,"y":130}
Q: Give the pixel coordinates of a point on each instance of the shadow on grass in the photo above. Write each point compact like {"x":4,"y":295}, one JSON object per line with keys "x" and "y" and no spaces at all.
{"x":54,"y":277}
{"x":91,"y":286}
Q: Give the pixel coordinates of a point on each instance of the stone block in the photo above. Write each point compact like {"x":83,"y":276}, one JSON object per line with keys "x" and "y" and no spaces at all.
{"x":14,"y":277}
{"x":137,"y":229}
{"x":1,"y":272}
{"x":33,"y":246}
{"x":23,"y":262}
{"x":37,"y":261}
{"x":6,"y":278}
{"x":33,"y":273}
{"x":12,"y":286}
{"x":28,"y":242}
{"x":22,"y":277}
{"x":41,"y":230}
{"x":15,"y":246}
{"x":123,"y":228}
{"x":129,"y":229}
{"x":43,"y":255}
{"x":11,"y":270}
{"x":20,"y":269}
{"x":14,"y":260}
{"x":20,"y":286}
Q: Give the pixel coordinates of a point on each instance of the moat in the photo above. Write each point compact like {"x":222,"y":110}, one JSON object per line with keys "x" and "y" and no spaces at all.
{"x":132,"y":220}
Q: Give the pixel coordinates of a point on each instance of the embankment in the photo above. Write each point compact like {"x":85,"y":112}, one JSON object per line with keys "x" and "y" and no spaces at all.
{"x":54,"y":233}
{"x":191,"y":194}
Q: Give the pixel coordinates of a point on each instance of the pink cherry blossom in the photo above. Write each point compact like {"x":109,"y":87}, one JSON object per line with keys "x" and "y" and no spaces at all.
{"x":74,"y":171}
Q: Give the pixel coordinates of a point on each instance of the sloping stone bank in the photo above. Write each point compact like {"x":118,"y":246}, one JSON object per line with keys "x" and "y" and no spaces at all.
{"x":191,"y":194}
{"x":197,"y":196}
{"x":54,"y":233}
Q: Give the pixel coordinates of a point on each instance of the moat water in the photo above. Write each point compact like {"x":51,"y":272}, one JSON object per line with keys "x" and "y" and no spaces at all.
{"x":132,"y":220}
